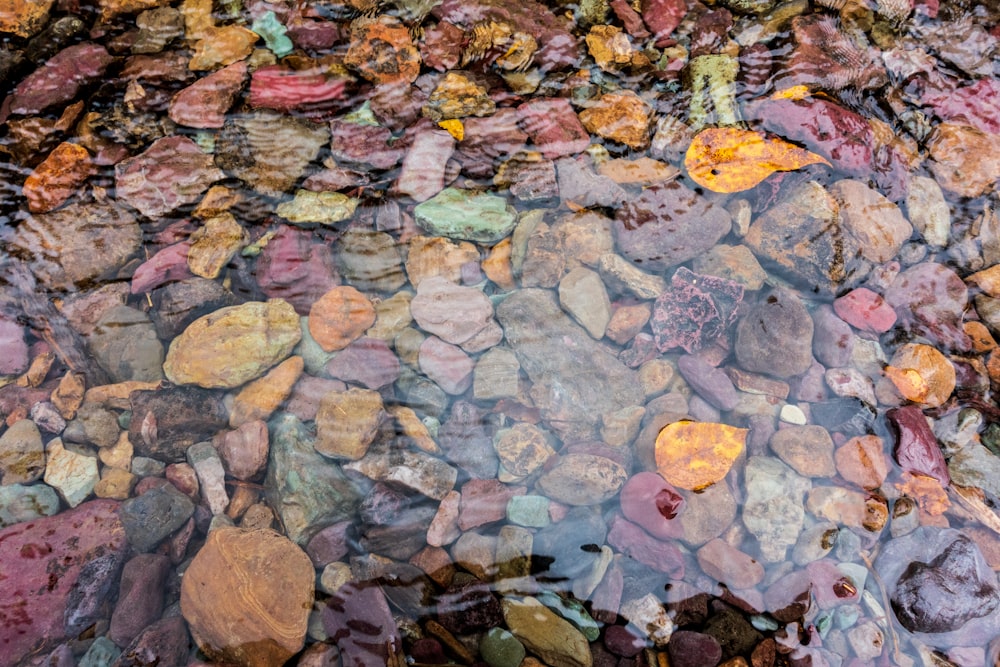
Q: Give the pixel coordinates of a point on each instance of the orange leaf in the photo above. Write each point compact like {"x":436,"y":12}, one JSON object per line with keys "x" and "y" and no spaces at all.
{"x":693,"y":455}
{"x":728,"y":159}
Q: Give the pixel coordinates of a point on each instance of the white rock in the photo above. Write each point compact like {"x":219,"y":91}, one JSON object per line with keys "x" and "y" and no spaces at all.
{"x":850,"y":383}
{"x":867,"y":640}
{"x":211,"y":476}
{"x":928,"y":210}
{"x":70,"y":473}
{"x":792,"y":414}
{"x":649,"y":616}
{"x":582,"y":294}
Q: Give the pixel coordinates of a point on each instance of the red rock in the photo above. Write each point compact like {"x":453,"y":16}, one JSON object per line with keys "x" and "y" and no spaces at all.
{"x":977,"y":104}
{"x":623,"y":641}
{"x":916,"y":448}
{"x":140,"y":597}
{"x":447,"y":365}
{"x":490,"y":140}
{"x":695,"y":311}
{"x":204,"y":103}
{"x":553,"y":126}
{"x":60,"y":79}
{"x":340,"y":317}
{"x":662,"y":16}
{"x":296,"y":267}
{"x":629,"y":18}
{"x":364,"y":145}
{"x":650,"y":501}
{"x":312,"y":90}
{"x":166,"y":266}
{"x":865,"y":310}
{"x":441,"y":47}
{"x":40,"y":561}
{"x":369,"y":362}
{"x":244,"y":450}
{"x":633,"y":541}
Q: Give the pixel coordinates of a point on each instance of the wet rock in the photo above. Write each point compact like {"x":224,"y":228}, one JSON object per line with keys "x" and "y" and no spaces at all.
{"x":22,"y":455}
{"x":574,"y":378}
{"x":446,"y":364}
{"x":826,"y":57}
{"x":862,"y":461}
{"x":727,"y":564}
{"x":623,"y":117}
{"x":470,"y":607}
{"x":206,"y":463}
{"x":148,"y":519}
{"x":668,"y":224}
{"x":172,"y":172}
{"x":70,"y":473}
{"x":244,"y":450}
{"x":876,"y":223}
{"x":976,"y":466}
{"x":546,"y":635}
{"x":204,"y":103}
{"x":928,"y":210}
{"x":500,"y":648}
{"x":166,"y":422}
{"x":579,"y":184}
{"x":707,"y":514}
{"x":166,"y":266}
{"x":582,"y":478}
{"x":60,"y":79}
{"x":774,"y":509}
{"x":916,"y":449}
{"x":222,"y":46}
{"x":369,"y":362}
{"x":312,"y":91}
{"x":422,"y":175}
{"x":807,"y":449}
{"x":415,"y":471}
{"x":711,"y":384}
{"x":364,"y":145}
{"x":25,"y":18}
{"x":262,"y":624}
{"x":649,"y":501}
{"x":164,"y":642}
{"x":622,"y":277}
{"x":553,"y":126}
{"x":357,"y":617}
{"x":466,"y":215}
{"x":233,"y":345}
{"x":775,"y":336}
{"x":865,"y":310}
{"x":691,"y":649}
{"x":19,"y":504}
{"x":339,"y":317}
{"x":467,"y":440}
{"x":57,"y":178}
{"x":140,"y":596}
{"x":295,"y":267}
{"x":16,"y":357}
{"x":733,"y":632}
{"x":490,"y":140}
{"x":383,"y":51}
{"x":963,"y":159}
{"x":929,"y":299}
{"x":347,"y":423}
{"x":522,"y":449}
{"x":452,"y":312}
{"x":44,"y":559}
{"x":631,"y":540}
{"x":214,"y":244}
{"x":125,"y":344}
{"x":429,"y":256}
{"x":582,"y":295}
{"x":370,"y":261}
{"x":259,"y":398}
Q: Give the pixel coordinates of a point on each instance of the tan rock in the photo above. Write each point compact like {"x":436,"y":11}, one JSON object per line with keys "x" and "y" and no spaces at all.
{"x":522,"y":449}
{"x":623,"y":117}
{"x":247,"y":596}
{"x":116,"y":484}
{"x":392,"y":315}
{"x":863,"y":461}
{"x":214,"y":245}
{"x":963,"y":159}
{"x":438,"y":256}
{"x":340,"y":317}
{"x":456,"y":96}
{"x":117,"y":395}
{"x":222,"y":46}
{"x":113,"y":8}
{"x":988,"y":280}
{"x":807,"y":449}
{"x":411,"y":426}
{"x":68,"y":396}
{"x":347,"y":423}
{"x":497,"y":266}
{"x":118,"y":455}
{"x":876,"y":223}
{"x":641,"y":171}
{"x":545,"y":634}
{"x":920,"y":373}
{"x":233,"y":345}
{"x":24,"y":18}
{"x":57,"y":178}
{"x":261,"y":397}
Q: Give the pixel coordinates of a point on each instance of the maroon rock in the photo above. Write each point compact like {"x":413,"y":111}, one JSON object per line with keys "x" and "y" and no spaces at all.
{"x":358,"y":619}
{"x":285,"y":90}
{"x":60,"y":79}
{"x":14,"y":359}
{"x":756,"y":62}
{"x":469,"y":606}
{"x":366,"y":145}
{"x":484,"y":501}
{"x":865,"y":310}
{"x":446,"y":364}
{"x":140,"y":597}
{"x":711,"y":33}
{"x":668,"y":224}
{"x":695,"y":311}
{"x":825,"y":57}
{"x":297,"y":268}
{"x":338,"y":178}
{"x":441,"y":47}
{"x":315,"y":35}
{"x":650,"y":501}
{"x":630,"y":19}
{"x":641,"y":349}
{"x":167,"y":265}
{"x":204,"y":103}
{"x":693,"y":649}
{"x":633,"y":541}
{"x":423,"y":172}
{"x":244,"y":450}
{"x":977,"y":104}
{"x":330,"y":544}
{"x":165,"y":642}
{"x":930,"y":300}
{"x":428,"y":651}
{"x":369,"y":362}
{"x":490,"y":140}
{"x":916,"y":448}
{"x":622,"y":641}
{"x":172,"y":172}
{"x":662,"y":16}
{"x":40,"y":561}
{"x":554,"y":127}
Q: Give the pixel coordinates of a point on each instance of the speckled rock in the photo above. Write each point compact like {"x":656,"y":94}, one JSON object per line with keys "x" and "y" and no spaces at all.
{"x":172,"y":172}
{"x":148,"y":519}
{"x":22,"y":455}
{"x":807,"y":449}
{"x":775,"y":336}
{"x":582,"y":479}
{"x":70,"y":473}
{"x":774,"y":509}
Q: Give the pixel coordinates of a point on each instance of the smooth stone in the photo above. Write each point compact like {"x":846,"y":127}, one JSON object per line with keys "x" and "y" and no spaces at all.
{"x":916,"y":449}
{"x":496,"y":375}
{"x":774,"y":509}
{"x":731,"y":262}
{"x":469,"y":606}
{"x":850,"y":383}
{"x":115,"y":483}
{"x":651,"y":502}
{"x":297,"y":267}
{"x":976,"y":466}
{"x":70,"y":473}
{"x":340,"y":317}
{"x":452,"y":312}
{"x":876,"y":223}
{"x":582,"y":479}
{"x":153,"y":516}
{"x":347,"y":423}
{"x":214,"y":244}
{"x":233,"y":345}
{"x":709,"y":382}
{"x":865,"y":310}
{"x":447,"y":365}
{"x":542,"y":632}
{"x":484,"y":501}
{"x":814,"y":543}
{"x":19,"y":503}
{"x":630,"y":539}
{"x":140,"y":596}
{"x":807,"y":449}
{"x":928,"y":211}
{"x":324,"y":208}
{"x":583,"y":296}
{"x":499,"y":648}
{"x":465,"y":215}
{"x":60,"y":78}
{"x":246,"y":596}
{"x":370,"y":261}
{"x":22,"y":454}
{"x":101,"y":652}
{"x":259,"y":398}
{"x":727,"y":564}
{"x":522,"y":449}
{"x":180,"y":303}
{"x":422,"y":174}
{"x":775,"y":336}
{"x":167,"y":421}
{"x":623,"y":117}
{"x":648,"y":615}
{"x":16,"y":356}
{"x":244,"y":451}
{"x":839,"y":505}
{"x":929,"y":299}
{"x":707,"y":514}
{"x":204,"y":103}
{"x":623,"y":642}
{"x":624,"y":278}
{"x":694,"y":649}
{"x":529,"y":510}
{"x":171,"y":172}
{"x":412,"y":470}
{"x":369,"y":362}
{"x":428,"y":256}
{"x":833,"y":340}
{"x":862,"y":460}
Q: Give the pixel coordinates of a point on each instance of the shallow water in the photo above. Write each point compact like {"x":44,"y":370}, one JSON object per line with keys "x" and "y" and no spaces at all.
{"x":363,"y":334}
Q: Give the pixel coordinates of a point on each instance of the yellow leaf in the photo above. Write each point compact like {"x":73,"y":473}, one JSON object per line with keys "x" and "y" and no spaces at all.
{"x":454,"y":127}
{"x":728,"y":159}
{"x":693,"y":455}
{"x":791,"y":93}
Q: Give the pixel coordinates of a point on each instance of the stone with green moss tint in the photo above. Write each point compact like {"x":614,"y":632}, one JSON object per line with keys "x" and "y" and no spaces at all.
{"x":325,"y":208}
{"x":572,"y":611}
{"x":19,"y":503}
{"x":270,"y":28}
{"x":466,"y":215}
{"x":500,"y":648}
{"x":530,"y":511}
{"x":101,"y":653}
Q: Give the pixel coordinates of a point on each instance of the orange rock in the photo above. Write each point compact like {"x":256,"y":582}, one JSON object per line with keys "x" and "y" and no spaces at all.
{"x":927,"y":491}
{"x":113,"y":8}
{"x":214,"y":244}
{"x":982,"y":339}
{"x":261,"y":397}
{"x":339,"y":317}
{"x":383,"y":52}
{"x":497,"y":266}
{"x":247,"y":596}
{"x":622,"y":117}
{"x":68,"y":396}
{"x":693,"y":455}
{"x":436,"y":256}
{"x":988,"y":280}
{"x":862,"y":461}
{"x":24,"y":18}
{"x":222,"y":46}
{"x":57,"y":177}
{"x":963,"y":159}
{"x":922,"y":374}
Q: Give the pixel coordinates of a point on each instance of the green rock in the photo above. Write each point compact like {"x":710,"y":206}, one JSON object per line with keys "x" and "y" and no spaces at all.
{"x":19,"y":503}
{"x":270,"y":28}
{"x":325,"y":208}
{"x":307,"y":491}
{"x":466,"y":215}
{"x":572,"y":611}
{"x":499,"y":648}
{"x":529,"y":511}
{"x":101,"y":653}
{"x":711,"y":80}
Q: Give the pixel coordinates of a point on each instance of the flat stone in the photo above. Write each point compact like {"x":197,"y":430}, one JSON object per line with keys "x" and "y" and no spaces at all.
{"x":70,"y":473}
{"x":623,"y":277}
{"x":422,"y":175}
{"x":347,"y":423}
{"x":807,"y":449}
{"x":358,"y":619}
{"x":125,"y":344}
{"x":651,"y":502}
{"x":204,"y":103}
{"x":707,"y":514}
{"x":166,"y":422}
{"x":876,"y":223}
{"x":452,"y":312}
{"x":19,"y":503}
{"x":324,"y":208}
{"x":25,"y":18}
{"x":542,"y":632}
{"x":369,"y":362}
{"x":148,"y":519}
{"x":865,"y":310}
{"x":60,"y":78}
{"x":446,"y":364}
{"x":583,"y":296}
{"x":775,"y":336}
{"x":582,"y":479}
{"x":172,"y":172}
{"x":465,"y":215}
{"x":496,"y":375}
{"x":340,"y":317}
{"x":522,"y":449}
{"x":428,"y":256}
{"x":214,"y":244}
{"x":553,"y":127}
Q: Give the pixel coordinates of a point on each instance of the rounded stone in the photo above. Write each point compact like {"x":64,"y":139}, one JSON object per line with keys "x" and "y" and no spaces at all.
{"x":775,"y":337}
{"x":339,"y":317}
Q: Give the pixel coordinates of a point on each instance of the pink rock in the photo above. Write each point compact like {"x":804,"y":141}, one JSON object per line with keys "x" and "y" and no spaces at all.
{"x":365,"y":145}
{"x":14,"y":359}
{"x":447,"y":365}
{"x":916,"y":447}
{"x":930,"y":300}
{"x":662,"y":16}
{"x":244,"y":451}
{"x":633,"y":541}
{"x":865,"y":310}
{"x":650,"y":501}
{"x":297,"y":268}
{"x":306,"y":394}
{"x":40,"y":562}
{"x":554,"y":127}
{"x":830,"y":587}
{"x":441,"y":47}
{"x":60,"y":79}
{"x":452,"y":312}
{"x":166,"y":266}
{"x":630,"y":19}
{"x":274,"y":87}
{"x":204,"y":103}
{"x":727,"y":564}
{"x":484,"y":501}
{"x":977,"y":104}
{"x":490,"y":140}
{"x":369,"y":362}
{"x":423,"y":172}
{"x":824,"y":57}
{"x":695,"y":311}
{"x":330,"y":544}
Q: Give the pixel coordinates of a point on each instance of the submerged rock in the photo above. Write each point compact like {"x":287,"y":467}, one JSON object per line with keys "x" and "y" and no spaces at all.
{"x":172,"y":172}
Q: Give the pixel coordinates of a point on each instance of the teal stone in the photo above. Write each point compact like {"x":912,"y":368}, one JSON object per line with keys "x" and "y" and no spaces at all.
{"x":273,"y":32}
{"x":573,"y":612}
{"x":529,"y":511}
{"x":20,"y":503}
{"x":500,"y":648}
{"x":764,"y":623}
{"x":101,"y":653}
{"x":847,"y":615}
{"x":466,"y":215}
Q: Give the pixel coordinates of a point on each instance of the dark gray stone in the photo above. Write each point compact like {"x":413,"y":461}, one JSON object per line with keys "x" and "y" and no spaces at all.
{"x":151,"y":517}
{"x":166,"y":422}
{"x":125,"y":345}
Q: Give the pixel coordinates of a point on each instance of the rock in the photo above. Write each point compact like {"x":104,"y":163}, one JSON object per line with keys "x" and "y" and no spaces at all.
{"x":452,"y":312}
{"x":465,"y":215}
{"x":347,"y":423}
{"x":573,"y":377}
{"x":500,"y":648}
{"x":22,"y":455}
{"x":694,"y":649}
{"x":496,"y":375}
{"x":963,"y":159}
{"x":631,"y":540}
{"x":865,"y":310}
{"x":531,"y":511}
{"x":415,"y":471}
{"x":623,"y":117}
{"x":60,"y":244}
{"x":370,"y":261}
{"x":70,"y":473}
{"x":369,"y":362}
{"x":26,"y":18}
{"x":711,"y":384}
{"x":140,"y":597}
{"x":429,"y":256}
{"x":172,"y":172}
{"x":164,"y":642}
{"x":862,"y":461}
{"x":469,"y":607}
{"x":774,"y":509}
{"x":976,"y":466}
{"x":60,"y":79}
{"x":582,"y":295}
{"x":921,"y":374}
{"x":694,"y":311}
{"x":125,"y":344}
{"x":57,"y":177}
{"x":649,"y":501}
{"x":247,"y":595}
{"x":19,"y":504}
{"x":339,"y":317}
{"x":294,"y":267}
{"x":181,"y":303}
{"x":833,"y":340}
{"x":167,"y":421}
{"x":727,"y":564}
{"x":383,"y":51}
{"x":16,"y":357}
{"x":622,"y":277}
{"x":648,"y":616}
{"x":706,"y":514}
{"x":314,"y":91}
{"x":211,"y":476}
{"x":357,"y":617}
{"x":233,"y":345}
{"x":446,"y":364}
{"x":324,"y":208}
{"x":553,"y":127}
{"x":916,"y":449}
{"x":422,"y":175}
{"x":102,"y":651}
{"x":876,"y":223}
{"x":579,"y":185}
{"x":839,"y":505}
{"x":582,"y":478}
{"x":807,"y":449}
{"x":44,"y":560}
{"x":546,"y":635}
{"x":148,"y":519}
{"x":522,"y":449}
{"x":775,"y":336}
{"x":214,"y":244}
{"x":261,"y":397}
{"x":929,"y":299}
{"x":928,"y":210}
{"x":204,"y":103}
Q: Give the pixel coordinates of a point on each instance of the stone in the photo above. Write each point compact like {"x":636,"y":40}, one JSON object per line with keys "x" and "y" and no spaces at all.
{"x":43,"y":560}
{"x":102,"y":651}
{"x":434,"y":256}
{"x":247,"y":595}
{"x":839,"y":505}
{"x":233,"y":345}
{"x":553,"y":127}
{"x":668,"y":224}
{"x":728,"y":565}
{"x":648,"y":616}
{"x":125,"y":344}
{"x":16,"y":359}
{"x":631,"y":540}
{"x":928,"y":210}
{"x":929,"y":300}
{"x":863,"y":461}
{"x":807,"y":449}
{"x":623,"y":277}
{"x":369,"y":362}
{"x":731,"y":262}
{"x":865,"y":310}
{"x":500,"y":648}
{"x":347,"y":423}
{"x":358,"y":619}
{"x":57,"y":177}
{"x":60,"y":78}
{"x":423,"y":173}
{"x":711,"y":384}
{"x":496,"y":375}
{"x":623,"y":117}
{"x":370,"y":261}
{"x":19,"y":503}
{"x":468,"y":607}
{"x":153,"y":516}
{"x":975,"y":466}
{"x":833,"y":340}
{"x":25,"y":19}
{"x":775,"y":336}
{"x":916,"y":449}
{"x":140,"y":596}
{"x":340,"y":317}
{"x":214,"y":245}
{"x":706,"y":514}
{"x":529,"y":510}
{"x":204,"y":103}
{"x":261,"y":397}
{"x":583,"y":296}
{"x":963,"y":158}
{"x":920,"y":373}
{"x":446,"y":364}
{"x":211,"y":476}
{"x":694,"y":649}
{"x":774,"y":509}
{"x":383,"y":52}
{"x":580,"y":186}
{"x":542,"y":632}
{"x":172,"y":172}
{"x":70,"y":473}
{"x":324,"y":208}
{"x":452,"y":312}
{"x":164,"y":642}
{"x":115,"y":483}
{"x":178,"y":304}
{"x":649,"y":501}
{"x":465,"y":215}
{"x":582,"y":478}
{"x":22,"y":454}
{"x":166,"y":422}
{"x":415,"y":471}
{"x":522,"y":449}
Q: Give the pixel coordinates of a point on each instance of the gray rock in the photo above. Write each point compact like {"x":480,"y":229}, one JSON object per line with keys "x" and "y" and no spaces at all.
{"x":977,"y":466}
{"x":774,"y":509}
{"x":370,"y":261}
{"x":87,"y":601}
{"x":151,"y":517}
{"x":211,"y":476}
{"x":162,"y":643}
{"x":775,"y":336}
{"x":168,"y":421}
{"x":93,"y":425}
{"x":181,"y":303}
{"x":413,"y":470}
{"x":101,"y":653}
{"x":20,"y":503}
{"x":22,"y":455}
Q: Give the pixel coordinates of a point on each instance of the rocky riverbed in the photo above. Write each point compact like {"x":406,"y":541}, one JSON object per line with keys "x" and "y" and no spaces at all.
{"x":422,"y":332}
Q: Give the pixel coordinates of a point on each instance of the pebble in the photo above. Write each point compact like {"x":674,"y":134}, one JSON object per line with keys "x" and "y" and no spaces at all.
{"x":369,"y":362}
{"x":211,"y":476}
{"x":837,"y":504}
{"x":115,"y":483}
{"x":423,"y":174}
{"x":347,"y":423}
{"x":19,"y":503}
{"x":707,"y":514}
{"x":259,"y":624}
{"x":452,"y":312}
{"x":22,"y":454}
{"x":102,"y":651}
{"x":582,"y":479}
{"x":464,"y":215}
{"x":553,"y":127}
{"x":16,"y":357}
{"x":623,"y":117}
{"x":358,"y":619}
{"x":204,"y":103}
{"x":862,"y":460}
{"x":57,"y":177}
{"x":636,"y":543}
{"x":623,"y":277}
{"x":500,"y":648}
{"x":727,"y":564}
{"x":583,"y":296}
{"x":340,"y":317}
{"x":710,"y":383}
{"x":433,"y":256}
{"x":865,"y":310}
{"x":850,"y":383}
{"x":93,"y":424}
{"x":774,"y":509}
{"x":976,"y":466}
{"x":323,"y":208}
{"x":259,"y":398}
{"x":166,"y":422}
{"x":876,"y":223}
{"x":807,"y":449}
{"x":446,"y":364}
{"x":140,"y":597}
{"x":416,"y":471}
{"x":164,"y":642}
{"x":153,"y":516}
{"x":963,"y":159}
{"x":70,"y":473}
{"x":694,"y":649}
{"x":922,"y":374}
{"x":775,"y":336}
{"x":815,"y":542}
{"x":542,"y":632}
{"x":60,"y":78}
{"x":531,"y":511}
{"x":648,"y":615}
{"x":731,"y":262}
{"x":916,"y":449}
{"x":522,"y":449}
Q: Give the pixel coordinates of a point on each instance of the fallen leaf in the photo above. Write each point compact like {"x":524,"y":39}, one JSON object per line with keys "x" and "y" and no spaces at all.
{"x":791,"y":93}
{"x":728,"y":159}
{"x":454,"y":127}
{"x":922,"y":374}
{"x":694,"y":455}
{"x":927,"y":491}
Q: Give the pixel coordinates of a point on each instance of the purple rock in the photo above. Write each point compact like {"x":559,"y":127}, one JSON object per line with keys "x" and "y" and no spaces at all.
{"x":330,"y":544}
{"x":693,"y":649}
{"x":650,"y":501}
{"x":167,"y":265}
{"x":916,"y":449}
{"x":369,"y":362}
{"x":830,"y":587}
{"x":295,"y":267}
{"x":60,"y":79}
{"x":423,"y":172}
{"x":694,"y":311}
{"x":930,"y":300}
{"x":244,"y":450}
{"x":165,"y":642}
{"x":468,"y":443}
{"x":579,"y":184}
{"x":428,"y":651}
{"x":484,"y":501}
{"x":640,"y":349}
{"x":366,"y":145}
{"x":14,"y":359}
{"x":358,"y":619}
{"x":633,"y":541}
{"x":446,"y":364}
{"x":488,"y":141}
{"x":621,"y":641}
{"x":382,"y":505}
{"x":554,"y":127}
{"x":172,"y":172}
{"x":41,"y":561}
{"x":775,"y":336}
{"x":833,"y":339}
{"x":789,"y":598}
{"x":711,"y":383}
{"x":140,"y":596}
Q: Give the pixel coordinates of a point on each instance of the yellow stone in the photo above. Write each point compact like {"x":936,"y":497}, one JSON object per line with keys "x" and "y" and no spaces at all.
{"x":68,"y":396}
{"x":116,"y":484}
{"x":694,"y":455}
{"x":24,"y":18}
{"x":988,"y":280}
{"x":117,"y":395}
{"x":411,"y":426}
{"x":642,"y":171}
{"x":214,"y":245}
{"x":119,"y":455}
{"x":623,"y":117}
{"x":258,"y":399}
{"x":221,"y":47}
{"x":922,"y":374}
{"x":429,"y":256}
{"x":454,"y":127}
{"x":497,"y":266}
